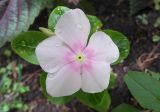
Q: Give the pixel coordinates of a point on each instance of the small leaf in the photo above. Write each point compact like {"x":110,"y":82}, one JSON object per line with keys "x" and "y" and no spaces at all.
{"x":157,"y":4}
{"x":95,"y":23}
{"x":17,"y":15}
{"x":54,"y":100}
{"x":98,"y":101}
{"x":157,"y":23}
{"x":113,"y":80}
{"x":122,"y":42}
{"x":125,"y":108}
{"x":145,"y":89}
{"x":55,"y":16}
{"x":156,"y":38}
{"x":25,"y":44}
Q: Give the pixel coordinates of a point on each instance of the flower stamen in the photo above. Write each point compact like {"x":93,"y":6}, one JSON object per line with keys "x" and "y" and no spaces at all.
{"x":80,"y":57}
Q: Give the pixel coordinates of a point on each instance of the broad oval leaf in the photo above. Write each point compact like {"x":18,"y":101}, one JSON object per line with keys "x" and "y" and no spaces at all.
{"x":16,"y":16}
{"x":25,"y":43}
{"x":98,"y":101}
{"x":55,"y":16}
{"x":144,"y":88}
{"x":122,"y":42}
{"x":53,"y":100}
{"x":125,"y":108}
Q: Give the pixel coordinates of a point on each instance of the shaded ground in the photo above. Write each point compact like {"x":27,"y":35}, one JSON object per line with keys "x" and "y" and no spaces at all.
{"x":115,"y":15}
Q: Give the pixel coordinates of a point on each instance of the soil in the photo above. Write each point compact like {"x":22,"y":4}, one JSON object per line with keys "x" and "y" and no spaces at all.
{"x":115,"y":15}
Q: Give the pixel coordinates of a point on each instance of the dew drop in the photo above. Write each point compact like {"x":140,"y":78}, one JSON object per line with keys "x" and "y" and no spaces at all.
{"x":57,"y":44}
{"x":79,"y":26}
{"x":58,"y":9}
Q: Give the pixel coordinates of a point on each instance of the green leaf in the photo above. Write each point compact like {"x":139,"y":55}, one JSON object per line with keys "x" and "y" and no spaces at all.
{"x":6,"y":84}
{"x":122,"y":42}
{"x":125,"y":108}
{"x":156,"y":38}
{"x":5,"y":108}
{"x":96,"y":24}
{"x":54,"y":100}
{"x":154,"y":75}
{"x":17,"y":15}
{"x":145,"y":89}
{"x":113,"y":80}
{"x":98,"y":101}
{"x":157,"y":23}
{"x":25,"y":43}
{"x":19,"y":87}
{"x":46,"y":31}
{"x":157,"y":4}
{"x":55,"y":16}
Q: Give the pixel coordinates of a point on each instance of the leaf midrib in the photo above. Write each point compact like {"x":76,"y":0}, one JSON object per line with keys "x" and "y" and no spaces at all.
{"x":152,"y":94}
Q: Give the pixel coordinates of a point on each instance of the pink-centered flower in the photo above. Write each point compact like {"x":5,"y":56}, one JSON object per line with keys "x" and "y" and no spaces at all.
{"x":70,"y":62}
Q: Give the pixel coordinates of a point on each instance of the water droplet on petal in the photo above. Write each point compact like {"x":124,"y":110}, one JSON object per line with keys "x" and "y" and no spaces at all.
{"x":57,"y":45}
{"x":79,"y":26}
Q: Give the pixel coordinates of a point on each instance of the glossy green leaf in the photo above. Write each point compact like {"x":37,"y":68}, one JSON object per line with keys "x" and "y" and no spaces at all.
{"x":125,"y":108}
{"x":145,"y":89}
{"x":113,"y":80}
{"x":95,"y":23}
{"x":122,"y":42}
{"x":25,"y":43}
{"x":53,"y":100}
{"x":55,"y":16}
{"x":98,"y":101}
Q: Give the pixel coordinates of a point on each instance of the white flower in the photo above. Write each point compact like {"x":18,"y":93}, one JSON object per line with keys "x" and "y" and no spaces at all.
{"x":70,"y":62}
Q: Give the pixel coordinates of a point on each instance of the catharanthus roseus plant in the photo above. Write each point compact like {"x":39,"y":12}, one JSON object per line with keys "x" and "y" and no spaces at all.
{"x":70,"y":62}
{"x":76,"y":56}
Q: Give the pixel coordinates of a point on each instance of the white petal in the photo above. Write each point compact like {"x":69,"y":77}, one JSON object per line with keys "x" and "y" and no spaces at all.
{"x":104,"y":49}
{"x":63,"y":83}
{"x":73,"y":27}
{"x":51,"y":54}
{"x":97,"y":78}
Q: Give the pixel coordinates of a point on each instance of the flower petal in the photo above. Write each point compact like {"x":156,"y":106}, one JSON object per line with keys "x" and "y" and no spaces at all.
{"x":51,"y":54}
{"x":104,"y":49}
{"x":97,"y":78}
{"x":73,"y":27}
{"x":63,"y":83}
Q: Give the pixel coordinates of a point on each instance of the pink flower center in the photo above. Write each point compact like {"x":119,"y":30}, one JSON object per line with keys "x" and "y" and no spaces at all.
{"x":81,"y":59}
